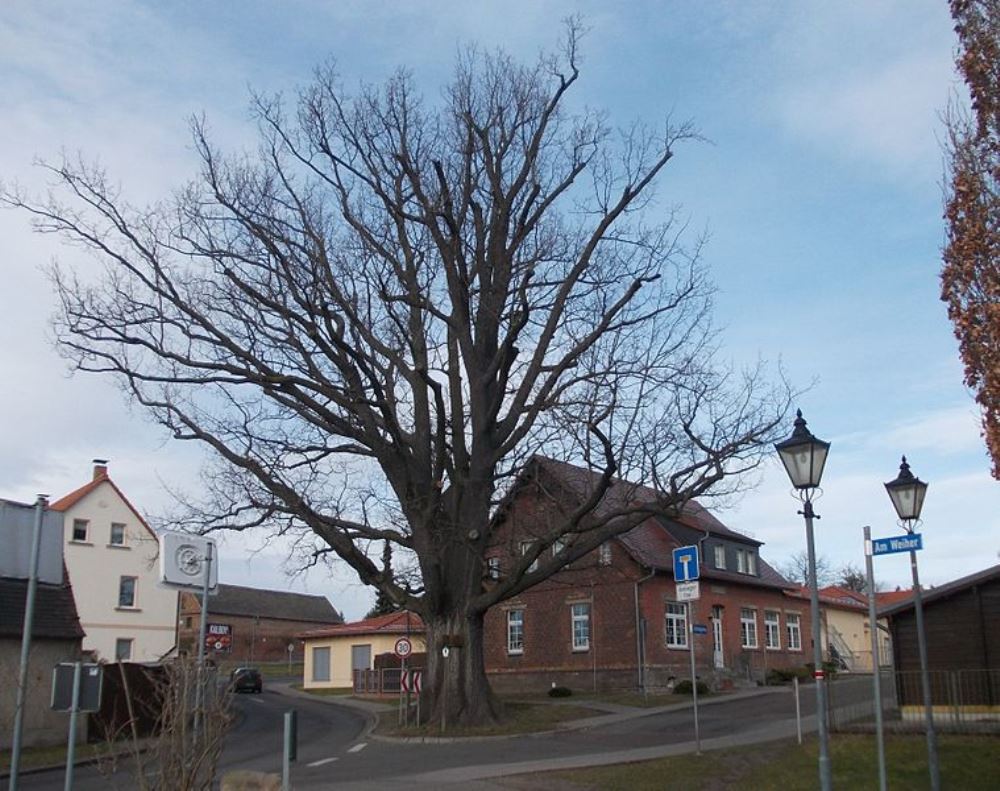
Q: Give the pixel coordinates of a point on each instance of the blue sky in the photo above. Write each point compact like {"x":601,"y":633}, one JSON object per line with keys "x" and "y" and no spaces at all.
{"x":820,"y":188}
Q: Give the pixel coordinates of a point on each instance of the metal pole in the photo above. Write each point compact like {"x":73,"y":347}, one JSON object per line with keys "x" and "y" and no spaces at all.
{"x":202,"y":631}
{"x":876,"y":668}
{"x":798,"y":708}
{"x":925,"y":681}
{"x":286,"y":758}
{"x":29,"y":619}
{"x":71,"y":744}
{"x":694,"y":679}
{"x":819,"y":674}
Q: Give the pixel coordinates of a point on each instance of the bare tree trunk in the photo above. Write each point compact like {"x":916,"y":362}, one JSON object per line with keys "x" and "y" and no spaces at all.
{"x":459,"y":689}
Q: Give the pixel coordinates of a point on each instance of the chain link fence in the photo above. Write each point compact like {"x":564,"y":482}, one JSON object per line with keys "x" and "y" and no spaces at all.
{"x":964,"y":701}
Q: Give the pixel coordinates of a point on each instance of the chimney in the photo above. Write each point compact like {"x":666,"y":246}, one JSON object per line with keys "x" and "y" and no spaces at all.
{"x":100,"y":468}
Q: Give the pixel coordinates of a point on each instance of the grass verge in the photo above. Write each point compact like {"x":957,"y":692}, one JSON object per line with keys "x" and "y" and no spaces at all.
{"x":519,"y":717}
{"x":32,"y":757}
{"x":967,"y":762}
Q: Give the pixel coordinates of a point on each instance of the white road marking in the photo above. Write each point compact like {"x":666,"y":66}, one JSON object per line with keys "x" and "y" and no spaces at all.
{"x":255,"y":700}
{"x":358,"y":747}
{"x":323,"y":761}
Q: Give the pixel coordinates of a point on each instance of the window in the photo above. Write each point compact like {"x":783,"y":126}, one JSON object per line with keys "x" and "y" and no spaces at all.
{"x":604,"y":554}
{"x":793,"y":628}
{"x":676,"y":625}
{"x":493,"y":568}
{"x":123,"y":649}
{"x":515,"y":631}
{"x":117,"y":534}
{"x":772,"y":629}
{"x":126,"y":591}
{"x":80,"y":529}
{"x":720,"y":556}
{"x":748,"y":627}
{"x":580,"y":619}
{"x":746,"y":561}
{"x":558,"y":546}
{"x":321,"y":664}
{"x":525,"y":549}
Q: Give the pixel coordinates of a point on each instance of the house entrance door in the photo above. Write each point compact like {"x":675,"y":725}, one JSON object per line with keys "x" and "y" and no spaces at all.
{"x":717,"y":636}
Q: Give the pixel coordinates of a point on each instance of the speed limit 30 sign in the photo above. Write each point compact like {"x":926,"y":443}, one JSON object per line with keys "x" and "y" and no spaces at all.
{"x":403,"y":647}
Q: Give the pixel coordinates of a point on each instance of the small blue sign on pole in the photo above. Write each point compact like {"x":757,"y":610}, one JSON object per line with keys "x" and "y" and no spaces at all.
{"x":686,"y":564}
{"x":886,"y":546}
{"x":699,"y":628}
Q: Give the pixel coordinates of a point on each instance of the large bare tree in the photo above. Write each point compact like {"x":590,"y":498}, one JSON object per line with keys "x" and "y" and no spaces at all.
{"x":376,"y":320}
{"x":970,"y":279}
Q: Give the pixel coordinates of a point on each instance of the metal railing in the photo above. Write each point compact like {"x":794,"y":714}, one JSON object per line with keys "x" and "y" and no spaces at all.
{"x":964,"y":701}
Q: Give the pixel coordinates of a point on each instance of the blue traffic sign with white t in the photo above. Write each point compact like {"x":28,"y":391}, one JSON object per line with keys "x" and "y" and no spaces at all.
{"x":699,"y":628}
{"x":686,"y":564}
{"x":886,"y":546}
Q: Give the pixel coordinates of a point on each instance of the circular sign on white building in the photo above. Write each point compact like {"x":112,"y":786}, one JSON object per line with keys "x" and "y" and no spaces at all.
{"x":403,"y":647}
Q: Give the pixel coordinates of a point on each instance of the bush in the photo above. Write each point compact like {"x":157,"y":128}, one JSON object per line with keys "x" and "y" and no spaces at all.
{"x":684,"y":687}
{"x":784,"y":675}
{"x":560,"y":692}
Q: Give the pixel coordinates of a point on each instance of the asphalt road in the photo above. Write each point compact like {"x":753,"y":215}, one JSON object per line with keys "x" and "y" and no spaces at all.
{"x":333,"y":750}
{"x":385,"y":765}
{"x":255,"y":742}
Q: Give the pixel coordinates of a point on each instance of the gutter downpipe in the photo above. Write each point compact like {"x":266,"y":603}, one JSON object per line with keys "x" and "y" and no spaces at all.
{"x":640,"y":648}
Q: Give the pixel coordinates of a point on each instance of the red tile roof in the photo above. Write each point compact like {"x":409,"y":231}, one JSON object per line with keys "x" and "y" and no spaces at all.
{"x":101,"y":477}
{"x":402,"y":622}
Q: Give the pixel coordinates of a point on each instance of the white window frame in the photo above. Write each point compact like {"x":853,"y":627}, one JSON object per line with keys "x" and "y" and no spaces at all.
{"x":579,"y":616}
{"x":604,"y":554}
{"x":793,"y":630}
{"x":525,"y":548}
{"x":493,"y":568}
{"x":85,"y":523}
{"x":558,"y":546}
{"x":741,"y":561}
{"x":772,"y":630}
{"x":515,"y":631}
{"x":127,"y":656}
{"x":751,"y":562}
{"x":111,"y":535}
{"x":135,"y":592}
{"x":748,"y":627}
{"x":675,"y":625}
{"x":720,"y":556}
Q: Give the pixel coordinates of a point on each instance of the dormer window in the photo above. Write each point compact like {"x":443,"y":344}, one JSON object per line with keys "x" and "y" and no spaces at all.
{"x":746,"y":561}
{"x":720,"y":556}
{"x":525,"y":549}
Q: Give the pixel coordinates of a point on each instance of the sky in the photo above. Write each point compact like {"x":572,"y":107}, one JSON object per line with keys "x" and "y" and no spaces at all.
{"x":819,"y":183}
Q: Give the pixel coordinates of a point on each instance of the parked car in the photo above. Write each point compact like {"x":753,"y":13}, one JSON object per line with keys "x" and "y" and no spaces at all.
{"x":246,"y":679}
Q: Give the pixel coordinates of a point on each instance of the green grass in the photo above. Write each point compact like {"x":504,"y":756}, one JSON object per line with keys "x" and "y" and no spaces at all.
{"x":50,"y":756}
{"x":519,"y":717}
{"x":638,"y":700}
{"x":967,"y":762}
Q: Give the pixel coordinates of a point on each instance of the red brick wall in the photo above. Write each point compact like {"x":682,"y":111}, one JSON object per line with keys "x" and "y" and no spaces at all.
{"x":611,"y":661}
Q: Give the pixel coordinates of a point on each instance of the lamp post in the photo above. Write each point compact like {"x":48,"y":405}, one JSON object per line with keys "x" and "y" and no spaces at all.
{"x":804,"y":457}
{"x":907,"y":493}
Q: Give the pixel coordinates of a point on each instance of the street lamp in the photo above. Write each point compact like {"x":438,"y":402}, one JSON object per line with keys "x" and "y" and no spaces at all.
{"x":804,"y":457}
{"x":907,"y":494}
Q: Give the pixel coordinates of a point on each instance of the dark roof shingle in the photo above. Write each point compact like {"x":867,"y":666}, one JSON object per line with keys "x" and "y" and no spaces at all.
{"x":55,"y":611}
{"x":402,"y":622}
{"x":281,"y":605}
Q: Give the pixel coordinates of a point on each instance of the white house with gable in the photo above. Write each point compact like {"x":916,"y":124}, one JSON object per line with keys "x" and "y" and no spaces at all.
{"x":111,"y":554}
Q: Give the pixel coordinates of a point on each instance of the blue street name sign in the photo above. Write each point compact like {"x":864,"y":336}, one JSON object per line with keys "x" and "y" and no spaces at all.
{"x":886,"y":546}
{"x":686,"y":564}
{"x":699,"y":628}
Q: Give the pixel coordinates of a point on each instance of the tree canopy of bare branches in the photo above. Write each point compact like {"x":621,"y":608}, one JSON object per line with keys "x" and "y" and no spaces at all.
{"x":376,"y":320}
{"x":970,"y":279}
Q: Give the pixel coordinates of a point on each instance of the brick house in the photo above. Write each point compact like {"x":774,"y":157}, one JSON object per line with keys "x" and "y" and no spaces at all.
{"x":611,"y":620}
{"x":262,"y":623}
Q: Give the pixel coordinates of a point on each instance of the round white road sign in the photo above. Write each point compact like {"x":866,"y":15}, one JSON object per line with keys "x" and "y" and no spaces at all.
{"x":403,"y":647}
